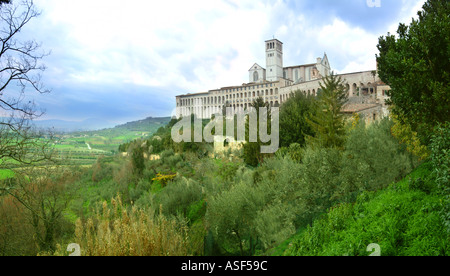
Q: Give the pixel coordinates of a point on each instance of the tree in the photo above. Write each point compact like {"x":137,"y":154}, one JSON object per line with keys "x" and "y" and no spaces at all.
{"x":20,"y":144}
{"x":293,"y":124}
{"x":416,"y":65}
{"x":230,"y":216}
{"x":252,"y":150}
{"x":20,"y":67}
{"x":44,"y":193}
{"x":137,"y":159}
{"x":326,"y":121}
{"x":20,"y":59}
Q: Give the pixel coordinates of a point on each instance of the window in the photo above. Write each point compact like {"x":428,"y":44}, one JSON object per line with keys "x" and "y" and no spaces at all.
{"x":255,"y":76}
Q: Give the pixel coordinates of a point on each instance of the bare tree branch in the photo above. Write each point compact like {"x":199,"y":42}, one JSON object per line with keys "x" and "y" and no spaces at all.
{"x":20,"y":66}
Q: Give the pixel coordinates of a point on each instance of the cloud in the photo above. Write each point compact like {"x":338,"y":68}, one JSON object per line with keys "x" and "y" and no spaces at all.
{"x":140,"y":54}
{"x":357,"y":13}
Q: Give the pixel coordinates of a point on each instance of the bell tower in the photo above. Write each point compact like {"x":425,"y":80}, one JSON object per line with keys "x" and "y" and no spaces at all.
{"x":274,"y":59}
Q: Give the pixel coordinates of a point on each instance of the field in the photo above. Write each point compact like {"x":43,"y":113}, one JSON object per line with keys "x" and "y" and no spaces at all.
{"x":83,"y":148}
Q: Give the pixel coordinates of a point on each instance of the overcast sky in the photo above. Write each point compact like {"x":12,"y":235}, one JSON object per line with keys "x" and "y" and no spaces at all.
{"x":127,"y":60}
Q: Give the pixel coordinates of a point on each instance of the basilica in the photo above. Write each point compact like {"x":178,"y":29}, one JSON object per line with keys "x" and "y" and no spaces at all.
{"x":276,"y":83}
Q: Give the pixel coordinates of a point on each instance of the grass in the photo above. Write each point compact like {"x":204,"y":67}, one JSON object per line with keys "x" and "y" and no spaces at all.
{"x":5,"y":174}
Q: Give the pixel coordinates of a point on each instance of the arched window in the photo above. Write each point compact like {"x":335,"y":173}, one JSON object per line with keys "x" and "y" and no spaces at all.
{"x":255,"y":76}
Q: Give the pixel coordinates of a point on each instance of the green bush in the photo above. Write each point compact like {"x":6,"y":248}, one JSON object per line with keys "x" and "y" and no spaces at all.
{"x":196,"y":211}
{"x":440,"y":148}
{"x":402,"y":221}
{"x":319,"y":178}
{"x":293,"y":125}
{"x":230,"y":216}
{"x":373,"y":159}
{"x":178,"y":197}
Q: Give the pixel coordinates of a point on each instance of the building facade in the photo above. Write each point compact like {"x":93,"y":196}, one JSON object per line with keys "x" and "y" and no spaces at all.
{"x":275,"y":84}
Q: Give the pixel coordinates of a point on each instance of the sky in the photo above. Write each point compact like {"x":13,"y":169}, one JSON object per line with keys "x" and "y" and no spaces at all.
{"x":127,"y":60}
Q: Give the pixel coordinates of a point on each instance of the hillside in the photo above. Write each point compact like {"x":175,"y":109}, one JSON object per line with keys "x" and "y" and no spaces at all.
{"x":401,"y":220}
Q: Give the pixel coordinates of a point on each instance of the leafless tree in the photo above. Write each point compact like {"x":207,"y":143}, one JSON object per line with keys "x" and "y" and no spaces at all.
{"x":20,"y":76}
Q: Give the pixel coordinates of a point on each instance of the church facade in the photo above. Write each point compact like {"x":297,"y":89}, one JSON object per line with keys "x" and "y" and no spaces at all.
{"x":276,"y":83}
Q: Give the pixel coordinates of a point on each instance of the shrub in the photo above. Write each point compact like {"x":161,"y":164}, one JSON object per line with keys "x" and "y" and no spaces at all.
{"x":101,"y":170}
{"x":320,"y":183}
{"x":116,"y":231}
{"x":404,"y":222}
{"x":440,"y":148}
{"x":373,"y":159}
{"x":230,"y":217}
{"x":177,"y":197}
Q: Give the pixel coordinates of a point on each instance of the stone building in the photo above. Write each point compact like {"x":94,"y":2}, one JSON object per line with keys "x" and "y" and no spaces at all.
{"x":275,"y":84}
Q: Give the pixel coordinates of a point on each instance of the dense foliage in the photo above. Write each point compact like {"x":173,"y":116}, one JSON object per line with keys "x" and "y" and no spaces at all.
{"x":293,"y":126}
{"x":416,"y":65}
{"x":402,"y":219}
{"x":326,"y":120}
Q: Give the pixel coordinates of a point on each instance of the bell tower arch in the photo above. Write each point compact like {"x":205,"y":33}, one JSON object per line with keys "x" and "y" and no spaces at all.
{"x":274,"y":59}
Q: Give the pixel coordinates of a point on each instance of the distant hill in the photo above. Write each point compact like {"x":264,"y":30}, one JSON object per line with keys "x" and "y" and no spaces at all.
{"x":143,"y":127}
{"x":145,"y":124}
{"x":71,"y":126}
{"x":98,"y":125}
